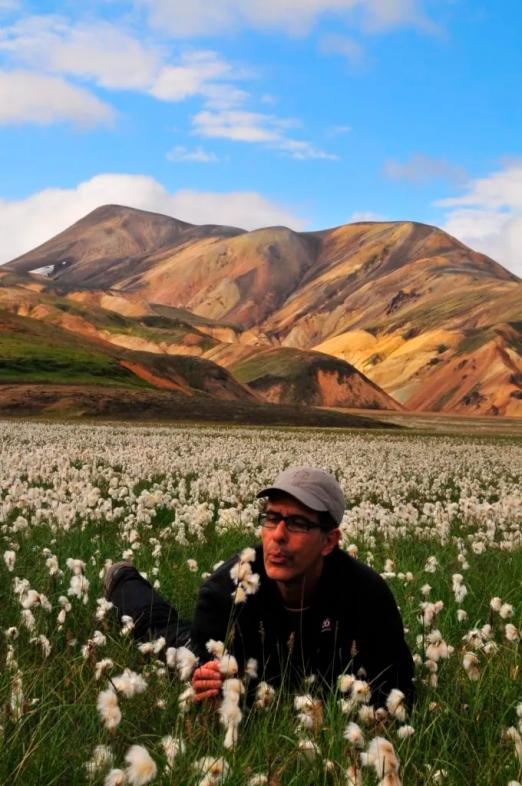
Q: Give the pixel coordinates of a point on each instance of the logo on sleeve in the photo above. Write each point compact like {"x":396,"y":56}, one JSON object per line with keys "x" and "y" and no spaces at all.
{"x":327,"y":625}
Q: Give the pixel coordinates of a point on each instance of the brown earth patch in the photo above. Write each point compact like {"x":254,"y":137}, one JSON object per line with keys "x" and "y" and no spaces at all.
{"x":154,"y":379}
{"x":129,"y":405}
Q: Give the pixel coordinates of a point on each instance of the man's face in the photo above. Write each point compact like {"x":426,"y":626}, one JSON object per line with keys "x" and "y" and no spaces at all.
{"x":290,"y":557}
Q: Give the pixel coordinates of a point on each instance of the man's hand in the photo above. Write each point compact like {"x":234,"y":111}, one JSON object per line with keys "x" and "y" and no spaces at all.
{"x":207,"y":681}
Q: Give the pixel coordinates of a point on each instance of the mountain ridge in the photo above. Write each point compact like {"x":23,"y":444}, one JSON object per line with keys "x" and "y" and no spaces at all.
{"x":382,"y":296}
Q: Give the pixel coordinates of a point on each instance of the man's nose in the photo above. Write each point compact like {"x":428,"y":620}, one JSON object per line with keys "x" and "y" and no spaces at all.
{"x":280,"y":532}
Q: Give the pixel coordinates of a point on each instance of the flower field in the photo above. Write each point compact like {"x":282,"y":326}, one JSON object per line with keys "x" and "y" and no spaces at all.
{"x":80,"y":703}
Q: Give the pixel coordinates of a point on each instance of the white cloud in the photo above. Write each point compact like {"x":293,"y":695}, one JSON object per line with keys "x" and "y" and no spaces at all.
{"x":363,"y":216}
{"x":338,"y":131}
{"x":256,"y":127}
{"x":203,"y":73}
{"x":347,"y":47}
{"x":27,"y":97}
{"x":381,"y":15}
{"x":99,"y":51}
{"x":304,"y":151}
{"x":26,"y":223}
{"x":181,"y":154}
{"x":200,"y":17}
{"x":238,"y":125}
{"x":421,"y":169}
{"x":106,"y":54}
{"x":488,"y":216}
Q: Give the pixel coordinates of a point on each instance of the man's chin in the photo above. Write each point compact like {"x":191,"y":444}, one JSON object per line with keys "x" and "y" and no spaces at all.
{"x":278,"y":572}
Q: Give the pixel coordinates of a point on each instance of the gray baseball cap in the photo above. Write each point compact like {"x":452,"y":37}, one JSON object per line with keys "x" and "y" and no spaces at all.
{"x":316,"y":489}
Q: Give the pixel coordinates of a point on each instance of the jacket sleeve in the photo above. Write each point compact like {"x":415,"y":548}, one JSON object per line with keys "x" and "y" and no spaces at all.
{"x":382,"y":649}
{"x":212,"y":617}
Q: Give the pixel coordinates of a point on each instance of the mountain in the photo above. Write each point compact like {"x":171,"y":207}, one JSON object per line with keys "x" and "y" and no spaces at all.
{"x":111,"y":243}
{"x":429,"y":322}
{"x":34,"y":351}
{"x":286,"y":375}
{"x":45,"y":370}
{"x":50,"y":338}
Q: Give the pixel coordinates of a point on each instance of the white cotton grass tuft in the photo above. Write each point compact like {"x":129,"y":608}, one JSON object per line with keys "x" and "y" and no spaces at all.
{"x":152,"y":647}
{"x":79,"y":587}
{"x":471,"y":666}
{"x":108,"y":708}
{"x":101,"y":667}
{"x":182,"y":660}
{"x":309,"y":712}
{"x":115,"y":777}
{"x":186,"y":698}
{"x":514,"y":735}
{"x":345,"y":682}
{"x":127,"y":625}
{"x":405,"y":731}
{"x":248,"y":554}
{"x":215,"y":648}
{"x":230,"y":713}
{"x":361,"y":692}
{"x":213,"y":769}
{"x":506,"y":611}
{"x":104,"y":606}
{"x":265,"y":694}
{"x":129,"y":683}
{"x":382,"y":757}
{"x":228,"y":665}
{"x":102,"y":758}
{"x":141,"y":767}
{"x":246,"y":582}
{"x":354,"y":735}
{"x":308,"y":748}
{"x":395,"y":704}
{"x":511,"y":632}
{"x":367,"y":715}
{"x":173,"y":747}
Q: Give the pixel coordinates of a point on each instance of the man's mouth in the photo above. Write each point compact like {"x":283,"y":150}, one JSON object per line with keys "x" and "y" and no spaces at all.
{"x":276,"y":558}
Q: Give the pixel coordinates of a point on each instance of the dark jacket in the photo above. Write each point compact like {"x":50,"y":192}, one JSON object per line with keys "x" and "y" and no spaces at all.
{"x":352,"y":623}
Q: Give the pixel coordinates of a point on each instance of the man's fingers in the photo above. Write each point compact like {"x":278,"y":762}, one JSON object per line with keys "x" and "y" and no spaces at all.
{"x":199,"y":684}
{"x":208,"y":694}
{"x":207,"y":681}
{"x":206,"y":674}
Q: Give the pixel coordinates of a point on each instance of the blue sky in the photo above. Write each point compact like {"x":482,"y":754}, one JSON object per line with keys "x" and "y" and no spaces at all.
{"x":310,"y":113}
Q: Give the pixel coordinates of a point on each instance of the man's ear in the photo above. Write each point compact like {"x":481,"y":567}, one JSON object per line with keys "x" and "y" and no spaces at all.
{"x":331,"y":540}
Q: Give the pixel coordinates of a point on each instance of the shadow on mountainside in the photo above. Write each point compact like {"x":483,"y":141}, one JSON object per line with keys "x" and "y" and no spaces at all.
{"x":101,"y":402}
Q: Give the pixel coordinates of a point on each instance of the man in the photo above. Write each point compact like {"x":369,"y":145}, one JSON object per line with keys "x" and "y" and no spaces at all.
{"x":317,"y":610}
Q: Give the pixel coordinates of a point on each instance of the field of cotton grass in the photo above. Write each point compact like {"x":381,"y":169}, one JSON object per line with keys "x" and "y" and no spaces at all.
{"x":81,"y":703}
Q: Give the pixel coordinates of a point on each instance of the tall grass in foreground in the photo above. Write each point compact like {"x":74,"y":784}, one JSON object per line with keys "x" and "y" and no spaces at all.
{"x":458,"y":724}
{"x":49,"y":658}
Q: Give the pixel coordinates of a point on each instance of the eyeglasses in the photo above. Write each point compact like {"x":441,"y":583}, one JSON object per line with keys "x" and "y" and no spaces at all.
{"x":293,"y":523}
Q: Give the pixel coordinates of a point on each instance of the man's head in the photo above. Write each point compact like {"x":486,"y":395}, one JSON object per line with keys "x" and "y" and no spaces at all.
{"x":304,"y":508}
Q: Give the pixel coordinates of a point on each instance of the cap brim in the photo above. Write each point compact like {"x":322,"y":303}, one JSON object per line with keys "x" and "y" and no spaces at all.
{"x":310,"y":500}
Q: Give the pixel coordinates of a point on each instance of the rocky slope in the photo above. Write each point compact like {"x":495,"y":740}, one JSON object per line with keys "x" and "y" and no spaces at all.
{"x":403,"y":303}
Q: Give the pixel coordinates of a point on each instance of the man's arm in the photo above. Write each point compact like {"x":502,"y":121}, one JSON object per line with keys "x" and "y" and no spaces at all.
{"x":212,"y":618}
{"x":382,"y":649}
